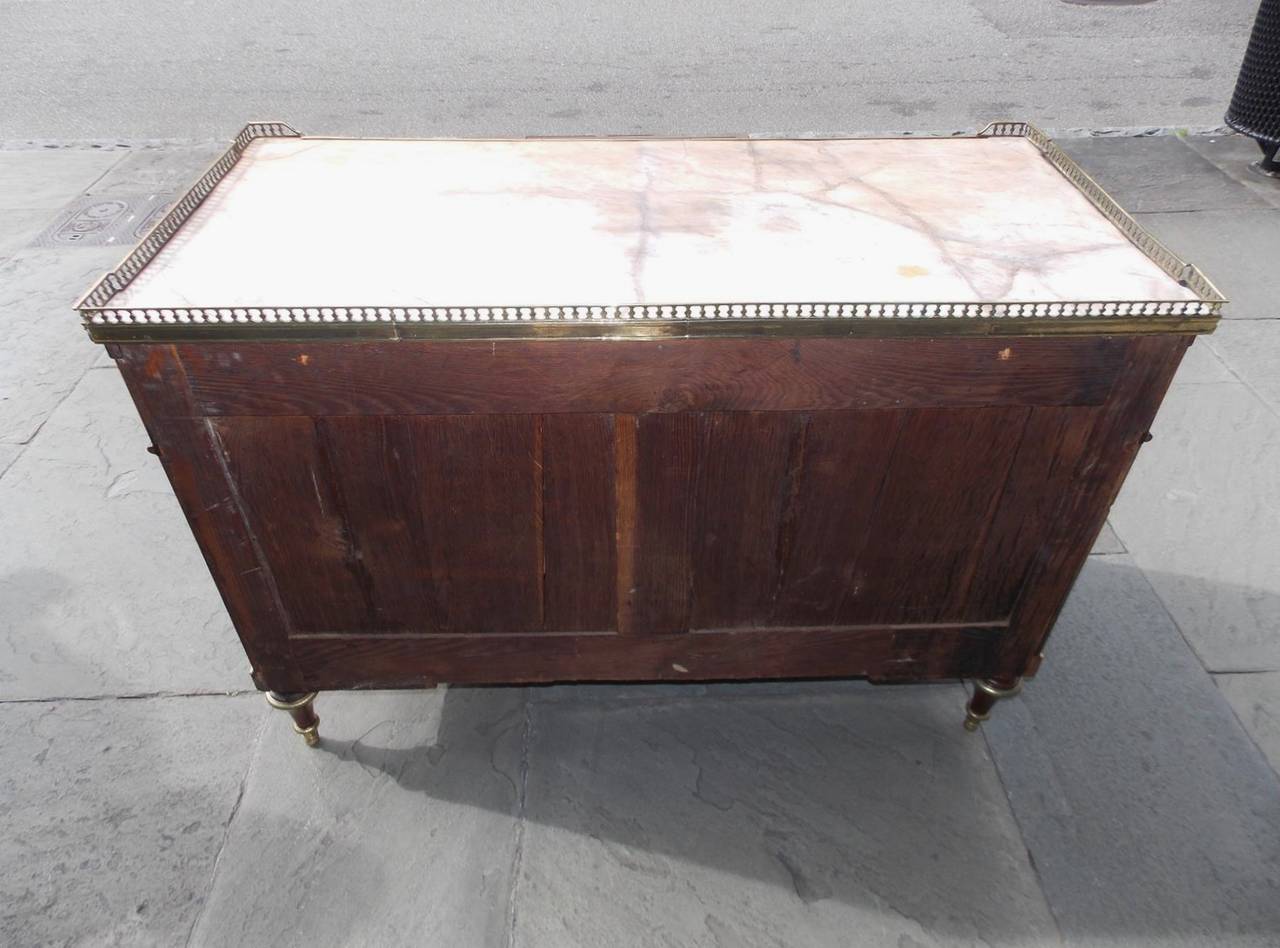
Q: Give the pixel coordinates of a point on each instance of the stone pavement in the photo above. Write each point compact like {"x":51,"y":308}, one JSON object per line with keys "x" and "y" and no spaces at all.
{"x":148,"y":797}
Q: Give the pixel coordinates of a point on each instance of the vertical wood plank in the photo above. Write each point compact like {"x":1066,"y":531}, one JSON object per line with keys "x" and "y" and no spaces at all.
{"x":371,"y":466}
{"x":579,"y":574}
{"x":1040,"y":479}
{"x":477,"y":474}
{"x":625,"y":436}
{"x":667,"y":483}
{"x":290,"y":500}
{"x":842,"y":472}
{"x":415,"y":524}
{"x":741,"y":468}
{"x":947,"y":470}
{"x":538,"y":500}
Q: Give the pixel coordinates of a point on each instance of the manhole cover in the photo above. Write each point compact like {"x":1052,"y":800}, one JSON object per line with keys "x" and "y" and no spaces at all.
{"x":104,"y":221}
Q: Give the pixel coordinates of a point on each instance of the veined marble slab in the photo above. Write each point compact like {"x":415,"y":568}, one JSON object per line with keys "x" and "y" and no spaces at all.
{"x":329,"y":222}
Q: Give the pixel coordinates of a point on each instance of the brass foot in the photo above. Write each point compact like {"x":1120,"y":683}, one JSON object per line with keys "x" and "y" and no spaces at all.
{"x":305,"y":720}
{"x":985,"y":695}
{"x":311,"y":735}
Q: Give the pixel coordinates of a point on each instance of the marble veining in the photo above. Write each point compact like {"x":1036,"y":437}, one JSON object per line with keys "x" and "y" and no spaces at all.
{"x":314,"y":222}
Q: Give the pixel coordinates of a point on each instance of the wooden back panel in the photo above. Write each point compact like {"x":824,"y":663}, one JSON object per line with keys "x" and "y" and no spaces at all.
{"x":507,"y":523}
{"x":401,"y":496}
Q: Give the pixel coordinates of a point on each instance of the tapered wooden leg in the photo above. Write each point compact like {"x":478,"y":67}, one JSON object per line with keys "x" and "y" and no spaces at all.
{"x":305,"y":721}
{"x":985,"y":695}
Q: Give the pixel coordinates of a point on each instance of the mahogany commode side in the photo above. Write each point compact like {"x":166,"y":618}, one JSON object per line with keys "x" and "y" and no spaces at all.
{"x":616,"y":409}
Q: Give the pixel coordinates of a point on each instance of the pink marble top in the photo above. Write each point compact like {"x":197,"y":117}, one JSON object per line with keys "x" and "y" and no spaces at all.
{"x":307,"y":221}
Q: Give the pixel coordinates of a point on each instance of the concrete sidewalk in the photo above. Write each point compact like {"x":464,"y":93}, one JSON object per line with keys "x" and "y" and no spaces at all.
{"x":148,"y":797}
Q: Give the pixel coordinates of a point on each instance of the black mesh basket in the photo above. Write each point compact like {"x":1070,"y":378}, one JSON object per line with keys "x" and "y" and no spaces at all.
{"x":1255,"y":106}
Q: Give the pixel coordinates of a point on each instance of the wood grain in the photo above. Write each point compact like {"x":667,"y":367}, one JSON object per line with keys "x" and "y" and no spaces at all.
{"x":667,"y":471}
{"x":193,"y":462}
{"x":615,"y":376}
{"x":396,"y":513}
{"x":840,"y":477}
{"x":625,"y":436}
{"x":941,"y":486}
{"x":1040,"y":479}
{"x":381,"y":524}
{"x":580,"y":571}
{"x":745,"y":464}
{"x":879,"y":653}
{"x":1116,"y":435}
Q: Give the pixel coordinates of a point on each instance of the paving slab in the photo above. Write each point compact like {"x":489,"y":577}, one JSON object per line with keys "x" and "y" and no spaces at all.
{"x":19,"y":227}
{"x":8,"y":454}
{"x":122,"y":206}
{"x":1107,"y":543}
{"x":776,"y":814}
{"x":1158,"y":173}
{"x":1255,"y":696}
{"x":1201,"y":364}
{"x":112,"y":814}
{"x":1233,"y":154}
{"x":1251,"y":350}
{"x":400,"y":829}
{"x":1200,"y":512}
{"x":1236,"y":250}
{"x":1150,"y":815}
{"x":45,"y":351}
{"x":152,"y":168}
{"x":46,"y":178}
{"x":102,"y":587}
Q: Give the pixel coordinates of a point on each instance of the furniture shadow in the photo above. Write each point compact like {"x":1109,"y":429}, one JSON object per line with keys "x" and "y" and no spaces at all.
{"x":874,"y":798}
{"x":803,"y":793}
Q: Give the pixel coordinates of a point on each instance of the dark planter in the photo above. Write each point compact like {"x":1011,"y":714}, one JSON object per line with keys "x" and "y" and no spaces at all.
{"x":1255,"y":106}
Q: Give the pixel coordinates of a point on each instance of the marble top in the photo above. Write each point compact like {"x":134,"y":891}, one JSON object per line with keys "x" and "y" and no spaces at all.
{"x":335,"y":222}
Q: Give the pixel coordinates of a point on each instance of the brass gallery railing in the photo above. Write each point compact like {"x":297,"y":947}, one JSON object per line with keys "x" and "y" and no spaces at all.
{"x":104,"y":321}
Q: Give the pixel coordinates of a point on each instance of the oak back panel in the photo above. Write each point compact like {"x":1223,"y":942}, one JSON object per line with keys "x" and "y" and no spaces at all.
{"x":587,"y":494}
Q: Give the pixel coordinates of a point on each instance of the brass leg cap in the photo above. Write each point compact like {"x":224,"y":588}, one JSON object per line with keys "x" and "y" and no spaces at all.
{"x":310,"y":734}
{"x":971,"y":720}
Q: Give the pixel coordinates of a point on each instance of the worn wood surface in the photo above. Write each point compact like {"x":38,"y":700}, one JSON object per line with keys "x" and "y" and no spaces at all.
{"x":1116,"y":433}
{"x":880,"y":653}
{"x":196,"y":469}
{"x":386,"y":514}
{"x":634,"y":376}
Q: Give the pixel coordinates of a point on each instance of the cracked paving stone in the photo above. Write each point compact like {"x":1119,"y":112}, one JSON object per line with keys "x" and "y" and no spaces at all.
{"x":1201,"y":364}
{"x":831,"y":815}
{"x":112,"y":814}
{"x":1251,"y":349}
{"x":8,"y":454}
{"x":102,"y":587}
{"x":401,"y":828}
